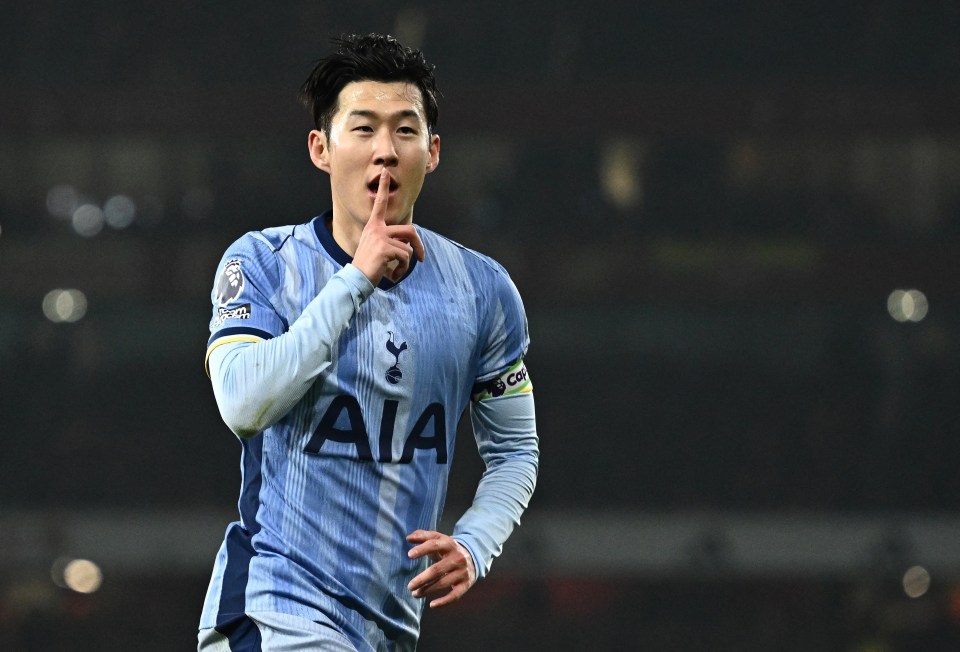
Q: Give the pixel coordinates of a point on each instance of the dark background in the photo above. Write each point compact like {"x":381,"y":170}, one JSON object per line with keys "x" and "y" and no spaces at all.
{"x":707,"y":207}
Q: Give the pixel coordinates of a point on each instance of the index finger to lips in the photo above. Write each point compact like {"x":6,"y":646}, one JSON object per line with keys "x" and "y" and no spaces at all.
{"x":380,"y":202}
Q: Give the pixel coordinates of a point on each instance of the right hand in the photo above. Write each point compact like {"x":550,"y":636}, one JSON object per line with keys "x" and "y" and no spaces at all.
{"x":386,"y":249}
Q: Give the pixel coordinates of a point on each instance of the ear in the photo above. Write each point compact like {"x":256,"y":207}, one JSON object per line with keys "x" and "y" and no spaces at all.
{"x":319,"y":150}
{"x":434,"y":160}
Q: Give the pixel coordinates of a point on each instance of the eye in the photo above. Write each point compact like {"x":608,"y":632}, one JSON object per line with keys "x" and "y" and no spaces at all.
{"x":364,"y":129}
{"x":408,"y":130}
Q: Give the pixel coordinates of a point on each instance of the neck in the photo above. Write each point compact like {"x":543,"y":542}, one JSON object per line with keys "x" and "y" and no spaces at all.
{"x":347,"y":236}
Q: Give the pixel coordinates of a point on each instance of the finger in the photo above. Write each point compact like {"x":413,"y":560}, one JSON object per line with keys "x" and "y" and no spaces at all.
{"x":438,"y":589}
{"x":420,"y":536}
{"x":436,"y":579}
{"x":433,"y":547}
{"x":443,"y":585}
{"x":399,"y":263}
{"x":434,"y":572}
{"x":392,"y":247}
{"x":396,"y":273}
{"x":379,"y":213}
{"x":417,"y":245}
{"x":423,"y":581}
{"x":452,"y":596}
{"x":423,"y":535}
{"x":407,"y":233}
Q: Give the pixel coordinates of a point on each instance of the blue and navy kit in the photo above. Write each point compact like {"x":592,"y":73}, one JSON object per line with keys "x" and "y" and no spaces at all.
{"x":359,"y":455}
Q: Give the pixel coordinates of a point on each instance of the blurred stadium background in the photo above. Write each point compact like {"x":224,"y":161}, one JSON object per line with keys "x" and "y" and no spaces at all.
{"x":736,"y":227}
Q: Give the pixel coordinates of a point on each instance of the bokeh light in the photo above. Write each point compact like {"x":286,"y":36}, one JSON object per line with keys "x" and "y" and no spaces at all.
{"x":87,"y":220}
{"x":907,"y":305}
{"x":82,"y":576}
{"x":620,"y":174}
{"x":916,"y":581}
{"x":119,"y":211}
{"x":64,"y":305}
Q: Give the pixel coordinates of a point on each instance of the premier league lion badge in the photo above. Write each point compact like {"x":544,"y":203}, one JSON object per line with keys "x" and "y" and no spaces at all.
{"x":230,"y":284}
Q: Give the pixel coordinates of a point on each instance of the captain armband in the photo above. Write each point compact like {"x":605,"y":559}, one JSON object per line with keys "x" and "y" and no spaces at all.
{"x":514,"y":380}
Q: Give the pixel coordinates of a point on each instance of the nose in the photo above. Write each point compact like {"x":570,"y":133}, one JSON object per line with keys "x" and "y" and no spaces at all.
{"x":384,"y":151}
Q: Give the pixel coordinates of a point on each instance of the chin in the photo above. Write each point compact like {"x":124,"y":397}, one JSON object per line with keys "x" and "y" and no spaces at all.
{"x":399,"y":218}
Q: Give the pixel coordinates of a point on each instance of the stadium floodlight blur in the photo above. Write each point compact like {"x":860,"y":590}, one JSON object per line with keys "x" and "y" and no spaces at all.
{"x":119,"y":211}
{"x":80,"y":575}
{"x":907,"y":305}
{"x":61,"y":305}
{"x":916,"y":581}
{"x":87,"y":220}
{"x":621,"y":174}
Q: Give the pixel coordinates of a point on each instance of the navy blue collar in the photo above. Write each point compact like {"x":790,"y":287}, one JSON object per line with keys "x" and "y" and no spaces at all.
{"x":322,"y":225}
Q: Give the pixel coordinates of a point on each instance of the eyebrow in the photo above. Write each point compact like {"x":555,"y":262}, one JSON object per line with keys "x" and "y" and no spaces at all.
{"x":365,"y":113}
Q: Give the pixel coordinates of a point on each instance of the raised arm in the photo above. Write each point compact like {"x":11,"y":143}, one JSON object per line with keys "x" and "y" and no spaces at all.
{"x":257,"y":381}
{"x":257,"y":378}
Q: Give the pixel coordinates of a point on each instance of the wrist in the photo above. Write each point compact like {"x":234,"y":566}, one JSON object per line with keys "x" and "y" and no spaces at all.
{"x":358,"y":280}
{"x":471,"y":563}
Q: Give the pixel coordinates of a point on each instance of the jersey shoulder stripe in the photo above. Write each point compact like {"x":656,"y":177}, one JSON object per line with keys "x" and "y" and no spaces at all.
{"x":274,"y":237}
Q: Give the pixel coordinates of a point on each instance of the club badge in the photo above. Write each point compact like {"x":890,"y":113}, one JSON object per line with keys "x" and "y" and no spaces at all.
{"x":393,"y":373}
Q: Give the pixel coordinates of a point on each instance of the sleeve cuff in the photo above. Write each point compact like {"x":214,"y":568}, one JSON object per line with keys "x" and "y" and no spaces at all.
{"x":477,"y":567}
{"x":360,"y":286}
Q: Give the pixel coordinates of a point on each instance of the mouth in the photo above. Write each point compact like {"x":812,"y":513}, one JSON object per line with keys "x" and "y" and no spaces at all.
{"x":374,"y":185}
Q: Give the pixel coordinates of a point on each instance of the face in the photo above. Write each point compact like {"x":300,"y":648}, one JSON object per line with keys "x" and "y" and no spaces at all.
{"x":377,"y":125}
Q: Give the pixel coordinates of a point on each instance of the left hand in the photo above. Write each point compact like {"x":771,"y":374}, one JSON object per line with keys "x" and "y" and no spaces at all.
{"x":449,"y":576}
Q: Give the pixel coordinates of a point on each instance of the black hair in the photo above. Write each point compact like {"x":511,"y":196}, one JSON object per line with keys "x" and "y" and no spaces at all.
{"x":374,"y":57}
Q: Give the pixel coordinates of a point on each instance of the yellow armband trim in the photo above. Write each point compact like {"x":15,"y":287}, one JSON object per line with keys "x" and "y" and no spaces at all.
{"x":226,"y":340}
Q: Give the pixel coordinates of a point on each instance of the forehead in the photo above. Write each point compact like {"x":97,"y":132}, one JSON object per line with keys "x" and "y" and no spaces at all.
{"x":385,"y":97}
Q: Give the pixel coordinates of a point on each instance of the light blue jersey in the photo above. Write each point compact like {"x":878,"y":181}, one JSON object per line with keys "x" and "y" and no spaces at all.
{"x":331,"y":489}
